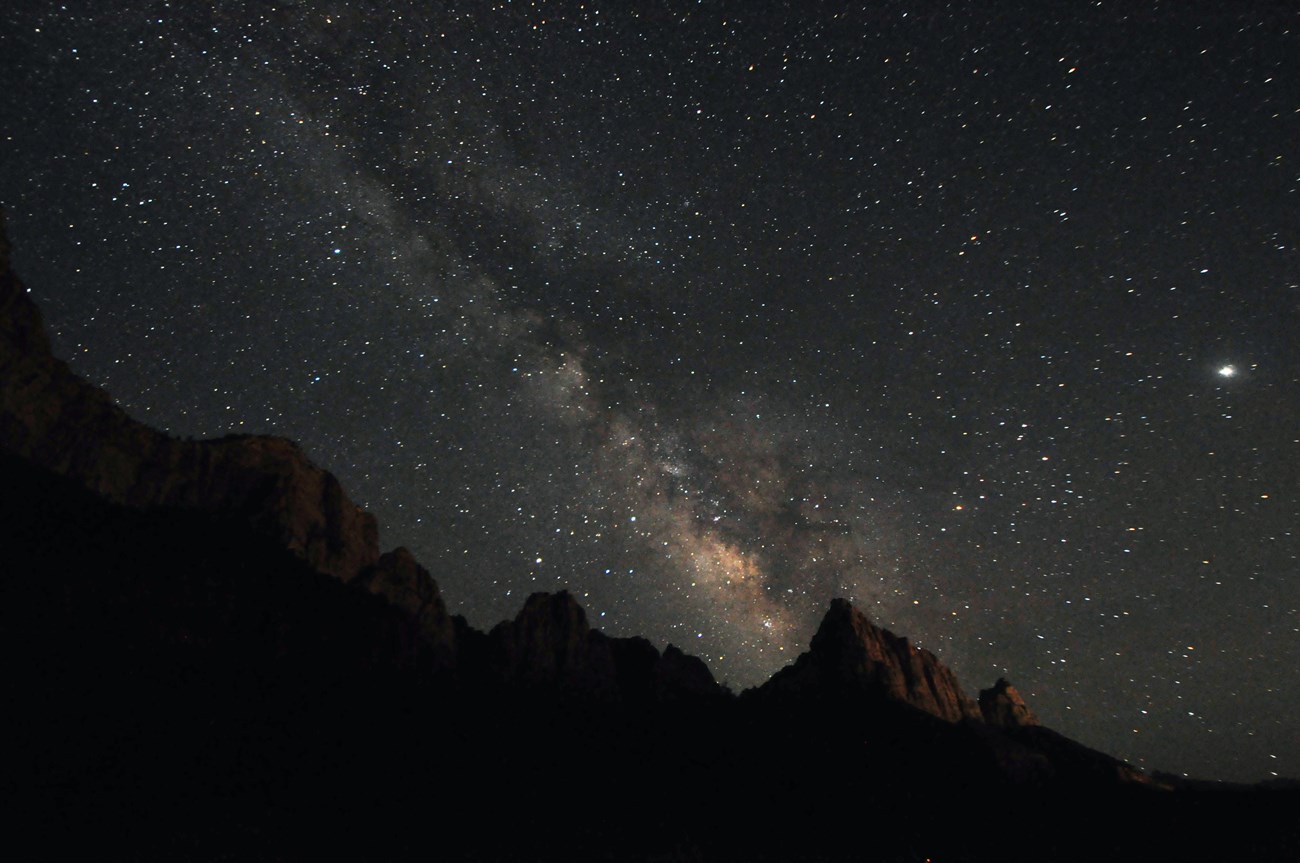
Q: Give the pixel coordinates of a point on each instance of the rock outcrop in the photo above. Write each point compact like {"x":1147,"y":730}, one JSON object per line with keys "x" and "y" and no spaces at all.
{"x":549,"y":647}
{"x":1001,"y":705}
{"x":851,"y":656}
{"x":63,"y":423}
{"x":400,"y":579}
{"x":679,"y":675}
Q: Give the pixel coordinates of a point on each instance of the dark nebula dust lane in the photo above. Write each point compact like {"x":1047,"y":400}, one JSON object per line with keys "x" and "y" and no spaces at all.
{"x":709,"y":313}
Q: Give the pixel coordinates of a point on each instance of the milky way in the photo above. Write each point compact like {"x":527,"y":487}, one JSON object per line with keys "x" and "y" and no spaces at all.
{"x":709,"y":314}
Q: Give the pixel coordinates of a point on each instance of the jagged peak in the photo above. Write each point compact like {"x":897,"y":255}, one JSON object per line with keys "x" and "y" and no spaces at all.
{"x":1002,"y":705}
{"x":560,"y":606}
{"x":844,"y":627}
{"x":851,"y":655}
{"x":844,"y":620}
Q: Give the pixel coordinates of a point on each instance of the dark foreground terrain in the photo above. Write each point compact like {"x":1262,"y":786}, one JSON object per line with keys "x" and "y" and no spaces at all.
{"x":179,"y":688}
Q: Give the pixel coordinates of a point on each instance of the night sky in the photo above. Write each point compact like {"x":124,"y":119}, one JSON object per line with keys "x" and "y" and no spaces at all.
{"x":981,"y":315}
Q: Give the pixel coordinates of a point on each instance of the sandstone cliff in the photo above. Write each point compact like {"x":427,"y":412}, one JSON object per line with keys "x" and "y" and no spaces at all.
{"x":849,"y":655}
{"x":400,"y":579}
{"x":61,"y":422}
{"x":550,"y":647}
{"x":1003,"y":706}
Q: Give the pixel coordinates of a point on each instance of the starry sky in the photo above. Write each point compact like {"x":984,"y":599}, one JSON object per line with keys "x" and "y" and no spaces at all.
{"x":981,"y":315}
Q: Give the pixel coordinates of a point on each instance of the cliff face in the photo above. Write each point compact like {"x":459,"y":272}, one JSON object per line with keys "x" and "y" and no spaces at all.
{"x":550,"y":647}
{"x":1002,"y":705}
{"x":849,"y":655}
{"x":400,"y":579}
{"x":61,"y":422}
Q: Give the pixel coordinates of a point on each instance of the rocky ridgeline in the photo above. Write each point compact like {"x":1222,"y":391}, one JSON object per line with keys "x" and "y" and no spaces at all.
{"x":60,"y":422}
{"x":850,"y":656}
{"x":63,"y":423}
{"x":549,"y":646}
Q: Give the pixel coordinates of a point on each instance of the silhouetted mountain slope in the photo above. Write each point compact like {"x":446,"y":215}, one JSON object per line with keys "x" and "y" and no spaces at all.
{"x":549,"y":649}
{"x":60,"y":421}
{"x":1002,"y":705}
{"x":208,"y":659}
{"x":849,"y":655}
{"x":163,"y":684}
{"x":855,"y":668}
{"x":400,"y":579}
{"x":232,"y":703}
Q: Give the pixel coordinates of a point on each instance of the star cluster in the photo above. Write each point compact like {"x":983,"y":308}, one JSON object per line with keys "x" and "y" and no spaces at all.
{"x":983,"y":318}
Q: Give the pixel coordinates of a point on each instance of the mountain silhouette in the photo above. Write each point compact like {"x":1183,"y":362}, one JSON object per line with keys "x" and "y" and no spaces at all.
{"x":209,"y":658}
